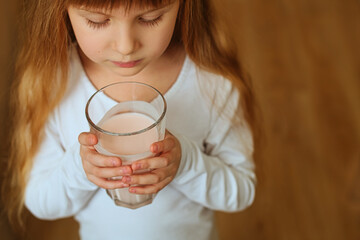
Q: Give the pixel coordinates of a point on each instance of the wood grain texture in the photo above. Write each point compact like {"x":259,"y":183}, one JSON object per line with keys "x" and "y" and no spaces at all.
{"x":304,"y":59}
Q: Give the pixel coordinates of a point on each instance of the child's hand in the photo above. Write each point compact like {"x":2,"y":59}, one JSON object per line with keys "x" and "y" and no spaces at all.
{"x":163,"y":167}
{"x":100,"y":168}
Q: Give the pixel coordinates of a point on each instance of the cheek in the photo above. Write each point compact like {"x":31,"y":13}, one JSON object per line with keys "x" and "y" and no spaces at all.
{"x":160,"y":41}
{"x":89,"y":43}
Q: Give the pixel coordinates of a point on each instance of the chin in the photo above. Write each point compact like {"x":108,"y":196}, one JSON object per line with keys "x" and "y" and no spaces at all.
{"x":131,"y":72}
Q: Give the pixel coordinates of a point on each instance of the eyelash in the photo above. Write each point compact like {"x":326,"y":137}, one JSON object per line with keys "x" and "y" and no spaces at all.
{"x":152,"y":22}
{"x":99,"y":25}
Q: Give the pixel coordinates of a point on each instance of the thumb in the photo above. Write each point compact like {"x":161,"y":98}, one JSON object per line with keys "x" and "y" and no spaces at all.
{"x":87,"y":139}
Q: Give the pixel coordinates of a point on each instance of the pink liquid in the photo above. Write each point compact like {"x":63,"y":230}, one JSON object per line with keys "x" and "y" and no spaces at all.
{"x":127,"y":123}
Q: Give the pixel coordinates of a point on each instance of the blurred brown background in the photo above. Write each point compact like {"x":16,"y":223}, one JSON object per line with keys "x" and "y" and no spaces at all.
{"x":304,"y":58}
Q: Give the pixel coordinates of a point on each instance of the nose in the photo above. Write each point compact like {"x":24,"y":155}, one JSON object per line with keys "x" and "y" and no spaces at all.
{"x":125,"y":41}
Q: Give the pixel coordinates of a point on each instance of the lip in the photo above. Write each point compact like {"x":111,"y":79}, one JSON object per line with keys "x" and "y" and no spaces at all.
{"x":127,"y":64}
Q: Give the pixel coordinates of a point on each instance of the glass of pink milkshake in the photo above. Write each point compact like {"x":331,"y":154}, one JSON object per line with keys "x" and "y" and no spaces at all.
{"x":127,"y":117}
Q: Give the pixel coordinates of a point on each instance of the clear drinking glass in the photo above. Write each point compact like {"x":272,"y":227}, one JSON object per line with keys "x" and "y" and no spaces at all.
{"x":126,"y":124}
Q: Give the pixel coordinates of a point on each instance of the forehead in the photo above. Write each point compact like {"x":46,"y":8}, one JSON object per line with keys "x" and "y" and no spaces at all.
{"x":110,"y":4}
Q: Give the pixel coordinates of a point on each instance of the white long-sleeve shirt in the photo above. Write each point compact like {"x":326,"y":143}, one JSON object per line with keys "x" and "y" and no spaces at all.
{"x":216,"y":170}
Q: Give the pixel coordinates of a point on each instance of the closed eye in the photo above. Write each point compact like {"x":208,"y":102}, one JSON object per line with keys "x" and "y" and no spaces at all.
{"x":151,"y":22}
{"x":98,"y":25}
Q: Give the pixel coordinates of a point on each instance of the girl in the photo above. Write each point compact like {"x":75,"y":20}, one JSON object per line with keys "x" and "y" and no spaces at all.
{"x":70,"y":49}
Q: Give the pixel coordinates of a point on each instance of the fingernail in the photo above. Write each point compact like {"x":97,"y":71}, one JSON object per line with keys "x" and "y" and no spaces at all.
{"x":132,"y":190}
{"x":115,"y":162}
{"x":93,"y":140}
{"x":138,"y":166}
{"x":126,"y":179}
{"x":126,"y":170}
{"x":154,"y":148}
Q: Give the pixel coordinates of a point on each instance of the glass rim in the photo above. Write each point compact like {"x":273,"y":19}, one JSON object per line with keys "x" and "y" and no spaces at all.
{"x":158,"y":120}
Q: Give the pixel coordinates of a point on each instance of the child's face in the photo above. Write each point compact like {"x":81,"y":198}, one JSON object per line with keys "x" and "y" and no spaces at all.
{"x":124,"y":41}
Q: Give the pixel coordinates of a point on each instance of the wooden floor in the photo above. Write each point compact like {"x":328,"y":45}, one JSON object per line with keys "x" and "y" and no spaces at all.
{"x":304,"y":58}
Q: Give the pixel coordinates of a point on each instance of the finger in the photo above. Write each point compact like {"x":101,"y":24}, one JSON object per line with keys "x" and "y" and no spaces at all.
{"x":151,"y":177}
{"x":107,"y":183}
{"x":106,"y":172}
{"x":151,"y":163}
{"x":163,"y":146}
{"x":150,"y":189}
{"x":98,"y":159}
{"x":87,"y":139}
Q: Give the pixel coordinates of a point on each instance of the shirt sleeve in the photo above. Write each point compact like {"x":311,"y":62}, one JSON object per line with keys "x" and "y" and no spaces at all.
{"x":220,"y":174}
{"x":57,"y":186}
